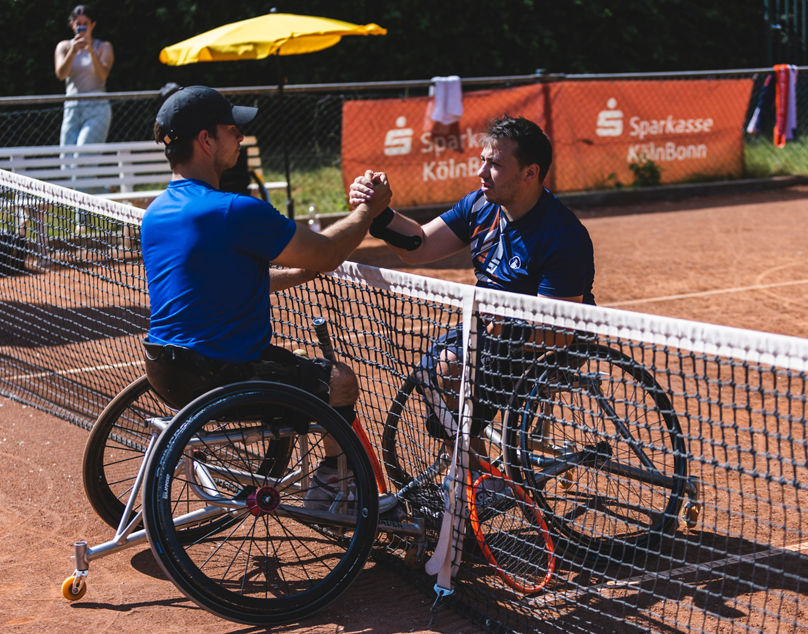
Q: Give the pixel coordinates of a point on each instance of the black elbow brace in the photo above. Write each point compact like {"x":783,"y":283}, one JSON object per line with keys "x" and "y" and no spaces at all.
{"x":379,"y":229}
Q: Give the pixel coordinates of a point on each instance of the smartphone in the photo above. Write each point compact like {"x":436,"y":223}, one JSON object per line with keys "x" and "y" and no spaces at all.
{"x":81,"y":29}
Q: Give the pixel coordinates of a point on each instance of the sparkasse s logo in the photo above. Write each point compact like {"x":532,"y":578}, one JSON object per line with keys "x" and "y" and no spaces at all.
{"x":398,"y":141}
{"x":610,"y":121}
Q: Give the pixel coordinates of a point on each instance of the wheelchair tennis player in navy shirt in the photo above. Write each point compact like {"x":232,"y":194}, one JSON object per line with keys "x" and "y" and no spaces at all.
{"x":522,"y":239}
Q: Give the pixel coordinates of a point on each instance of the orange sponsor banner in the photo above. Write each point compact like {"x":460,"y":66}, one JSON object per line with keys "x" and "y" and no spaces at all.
{"x":690,"y":129}
{"x":427,"y":163}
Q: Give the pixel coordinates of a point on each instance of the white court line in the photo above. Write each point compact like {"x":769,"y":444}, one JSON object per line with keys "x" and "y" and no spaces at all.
{"x":95,"y":368}
{"x":737,"y":289}
{"x":632,"y":582}
{"x":706,"y":567}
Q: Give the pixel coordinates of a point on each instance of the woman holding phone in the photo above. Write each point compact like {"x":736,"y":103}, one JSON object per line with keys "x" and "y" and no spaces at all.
{"x":84,"y":62}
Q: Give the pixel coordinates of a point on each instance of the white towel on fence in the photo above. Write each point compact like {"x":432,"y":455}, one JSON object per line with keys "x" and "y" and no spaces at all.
{"x":447,"y":105}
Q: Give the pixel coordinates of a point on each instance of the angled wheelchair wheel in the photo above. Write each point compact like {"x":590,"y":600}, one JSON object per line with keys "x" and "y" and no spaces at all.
{"x":116,"y":449}
{"x":414,"y":458}
{"x":595,"y":441}
{"x":116,"y":446}
{"x":293,"y":542}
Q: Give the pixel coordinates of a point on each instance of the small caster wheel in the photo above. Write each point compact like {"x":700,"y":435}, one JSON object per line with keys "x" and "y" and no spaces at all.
{"x":73,"y":594}
{"x":411,"y":558}
{"x":568,"y":479}
{"x":691,"y":514}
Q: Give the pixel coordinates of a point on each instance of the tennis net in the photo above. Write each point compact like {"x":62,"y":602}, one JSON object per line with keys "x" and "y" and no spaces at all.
{"x":650,"y":473}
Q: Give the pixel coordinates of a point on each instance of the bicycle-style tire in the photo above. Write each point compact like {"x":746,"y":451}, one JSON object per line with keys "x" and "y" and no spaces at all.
{"x":270,"y":566}
{"x":116,"y":446}
{"x":515,"y":540}
{"x":594,"y":398}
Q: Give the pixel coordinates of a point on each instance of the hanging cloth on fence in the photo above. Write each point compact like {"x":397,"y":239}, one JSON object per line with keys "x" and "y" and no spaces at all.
{"x":786,"y":104}
{"x":447,"y":101}
{"x":763,"y":105}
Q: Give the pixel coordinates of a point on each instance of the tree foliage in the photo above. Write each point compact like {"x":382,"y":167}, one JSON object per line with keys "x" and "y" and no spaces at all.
{"x":425,"y":38}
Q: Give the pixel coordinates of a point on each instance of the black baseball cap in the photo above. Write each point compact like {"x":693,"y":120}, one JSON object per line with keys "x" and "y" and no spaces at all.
{"x":194,"y":108}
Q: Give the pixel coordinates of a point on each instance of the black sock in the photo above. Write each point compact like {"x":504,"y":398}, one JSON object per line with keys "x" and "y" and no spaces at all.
{"x":347,"y":412}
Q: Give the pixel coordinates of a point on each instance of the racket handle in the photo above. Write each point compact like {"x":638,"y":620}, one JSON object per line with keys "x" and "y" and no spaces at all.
{"x":321,"y":329}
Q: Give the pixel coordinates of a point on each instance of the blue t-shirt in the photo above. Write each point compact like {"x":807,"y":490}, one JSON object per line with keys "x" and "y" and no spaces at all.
{"x":545,"y":252}
{"x":207,"y":255}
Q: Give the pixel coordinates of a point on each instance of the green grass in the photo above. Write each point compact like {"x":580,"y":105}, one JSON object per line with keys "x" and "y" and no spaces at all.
{"x":321,"y":186}
{"x":762,"y":159}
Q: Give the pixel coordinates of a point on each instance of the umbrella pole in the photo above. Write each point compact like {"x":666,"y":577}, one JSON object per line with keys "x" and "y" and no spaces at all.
{"x":290,"y":204}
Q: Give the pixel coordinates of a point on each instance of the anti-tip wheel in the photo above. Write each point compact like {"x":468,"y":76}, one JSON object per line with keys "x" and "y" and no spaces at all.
{"x":691,"y":514}
{"x":68,"y":591}
{"x":411,"y":558}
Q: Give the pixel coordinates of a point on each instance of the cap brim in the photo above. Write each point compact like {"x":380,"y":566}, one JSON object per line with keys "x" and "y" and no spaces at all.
{"x":242,"y":115}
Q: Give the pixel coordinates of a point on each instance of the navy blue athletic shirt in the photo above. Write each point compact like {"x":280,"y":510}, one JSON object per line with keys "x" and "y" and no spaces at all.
{"x":545,"y":252}
{"x":207,"y":255}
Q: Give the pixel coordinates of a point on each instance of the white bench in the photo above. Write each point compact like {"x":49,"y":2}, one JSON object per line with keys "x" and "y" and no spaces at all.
{"x":121,"y":166}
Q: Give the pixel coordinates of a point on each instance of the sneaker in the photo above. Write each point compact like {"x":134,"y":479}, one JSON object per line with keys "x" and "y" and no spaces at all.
{"x":494,"y":497}
{"x":324,"y":488}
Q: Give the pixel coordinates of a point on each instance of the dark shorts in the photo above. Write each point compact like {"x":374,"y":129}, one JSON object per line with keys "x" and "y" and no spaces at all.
{"x":179,"y":375}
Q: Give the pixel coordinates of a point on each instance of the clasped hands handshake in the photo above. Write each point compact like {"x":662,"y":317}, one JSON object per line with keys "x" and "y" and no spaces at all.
{"x":372,"y":189}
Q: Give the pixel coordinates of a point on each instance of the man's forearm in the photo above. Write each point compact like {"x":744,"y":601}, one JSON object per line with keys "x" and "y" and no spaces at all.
{"x":347,"y":233}
{"x":282,"y":278}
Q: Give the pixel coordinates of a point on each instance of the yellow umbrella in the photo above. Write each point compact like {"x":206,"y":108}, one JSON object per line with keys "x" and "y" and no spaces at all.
{"x":258,"y":38}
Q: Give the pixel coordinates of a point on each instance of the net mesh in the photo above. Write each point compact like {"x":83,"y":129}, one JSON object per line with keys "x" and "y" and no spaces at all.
{"x":648,"y":474}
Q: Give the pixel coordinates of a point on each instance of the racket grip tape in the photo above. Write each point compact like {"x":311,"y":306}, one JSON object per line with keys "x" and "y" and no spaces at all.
{"x":321,"y":330}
